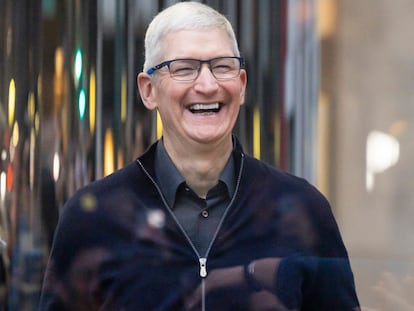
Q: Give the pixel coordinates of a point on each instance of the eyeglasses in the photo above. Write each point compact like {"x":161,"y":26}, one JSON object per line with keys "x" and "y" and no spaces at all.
{"x":188,"y":69}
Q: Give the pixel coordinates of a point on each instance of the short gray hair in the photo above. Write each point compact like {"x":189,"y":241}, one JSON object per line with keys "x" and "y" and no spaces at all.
{"x":183,"y":16}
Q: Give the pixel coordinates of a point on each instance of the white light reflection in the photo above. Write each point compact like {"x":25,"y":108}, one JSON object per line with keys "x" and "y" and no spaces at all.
{"x":3,"y":183}
{"x":382,"y":152}
{"x":56,"y":166}
{"x":156,"y":219}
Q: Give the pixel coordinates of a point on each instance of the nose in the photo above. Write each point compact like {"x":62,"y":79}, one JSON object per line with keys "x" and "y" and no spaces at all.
{"x":205,"y":81}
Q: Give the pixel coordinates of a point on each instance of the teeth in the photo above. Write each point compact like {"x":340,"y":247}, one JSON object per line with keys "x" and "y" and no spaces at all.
{"x":205,"y":107}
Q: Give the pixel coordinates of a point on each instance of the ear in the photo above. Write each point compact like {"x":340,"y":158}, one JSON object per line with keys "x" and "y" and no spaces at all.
{"x":243,"y":81}
{"x":145,"y":87}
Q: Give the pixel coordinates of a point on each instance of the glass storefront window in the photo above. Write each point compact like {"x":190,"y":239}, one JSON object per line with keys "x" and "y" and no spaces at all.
{"x":329,"y":98}
{"x":367,"y":104}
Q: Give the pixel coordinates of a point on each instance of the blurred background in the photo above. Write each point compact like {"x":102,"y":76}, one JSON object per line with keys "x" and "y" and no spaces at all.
{"x":330,"y":98}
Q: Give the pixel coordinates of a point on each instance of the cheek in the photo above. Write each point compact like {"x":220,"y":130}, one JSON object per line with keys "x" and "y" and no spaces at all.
{"x":238,"y":93}
{"x":168,"y":93}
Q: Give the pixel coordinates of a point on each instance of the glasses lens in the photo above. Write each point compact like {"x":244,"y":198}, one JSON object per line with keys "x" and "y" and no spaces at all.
{"x":225,"y":67}
{"x":184,"y":69}
{"x":187,"y":69}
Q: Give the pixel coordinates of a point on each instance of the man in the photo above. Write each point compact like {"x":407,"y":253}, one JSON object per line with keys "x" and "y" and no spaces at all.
{"x":195,"y":223}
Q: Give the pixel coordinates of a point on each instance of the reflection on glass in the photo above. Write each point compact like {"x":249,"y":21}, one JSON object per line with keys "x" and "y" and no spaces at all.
{"x":2,"y":187}
{"x":382,"y":152}
{"x":12,"y":101}
{"x":108,"y":153}
{"x":56,"y":167}
{"x":69,"y":111}
{"x":92,"y":101}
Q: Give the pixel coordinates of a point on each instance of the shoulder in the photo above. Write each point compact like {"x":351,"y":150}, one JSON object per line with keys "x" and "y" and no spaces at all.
{"x":296,"y":204}
{"x":111,"y":190}
{"x":114,"y":194}
{"x":284,"y":192}
{"x":99,"y":212}
{"x":276,"y":178}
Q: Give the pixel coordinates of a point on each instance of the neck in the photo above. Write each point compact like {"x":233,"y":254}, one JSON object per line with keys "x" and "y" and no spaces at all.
{"x":200,"y":164}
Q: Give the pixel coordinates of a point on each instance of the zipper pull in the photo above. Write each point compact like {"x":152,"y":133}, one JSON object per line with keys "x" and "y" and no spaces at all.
{"x":203,"y":267}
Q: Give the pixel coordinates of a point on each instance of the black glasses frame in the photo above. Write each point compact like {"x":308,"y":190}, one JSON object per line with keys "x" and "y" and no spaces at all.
{"x":201,"y":61}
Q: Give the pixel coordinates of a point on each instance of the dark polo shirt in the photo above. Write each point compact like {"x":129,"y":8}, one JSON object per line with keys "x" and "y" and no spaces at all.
{"x":198,"y":216}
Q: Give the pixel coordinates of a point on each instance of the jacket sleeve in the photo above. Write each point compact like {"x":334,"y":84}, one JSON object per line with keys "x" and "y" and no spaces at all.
{"x":316,"y":283}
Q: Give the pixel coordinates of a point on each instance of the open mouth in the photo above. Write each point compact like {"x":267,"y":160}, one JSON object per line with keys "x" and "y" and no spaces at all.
{"x":203,"y":108}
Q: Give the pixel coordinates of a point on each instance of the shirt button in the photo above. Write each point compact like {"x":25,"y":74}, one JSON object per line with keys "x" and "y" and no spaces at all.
{"x":204,"y":213}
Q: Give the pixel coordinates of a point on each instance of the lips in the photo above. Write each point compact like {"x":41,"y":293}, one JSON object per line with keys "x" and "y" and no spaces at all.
{"x":201,"y":108}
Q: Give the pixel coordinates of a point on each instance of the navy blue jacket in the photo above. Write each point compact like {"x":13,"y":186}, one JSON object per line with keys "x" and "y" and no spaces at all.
{"x":118,"y":246}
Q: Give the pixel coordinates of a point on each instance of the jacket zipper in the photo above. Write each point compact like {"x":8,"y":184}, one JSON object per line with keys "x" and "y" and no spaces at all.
{"x":202,"y":260}
{"x":203,"y":267}
{"x":227,"y":209}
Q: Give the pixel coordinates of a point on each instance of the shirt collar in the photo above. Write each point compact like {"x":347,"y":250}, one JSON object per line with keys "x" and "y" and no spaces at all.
{"x":167,"y":175}
{"x":169,"y":178}
{"x":228,"y":175}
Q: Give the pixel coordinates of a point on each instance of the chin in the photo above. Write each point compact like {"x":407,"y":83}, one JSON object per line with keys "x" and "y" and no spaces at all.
{"x":208,"y":139}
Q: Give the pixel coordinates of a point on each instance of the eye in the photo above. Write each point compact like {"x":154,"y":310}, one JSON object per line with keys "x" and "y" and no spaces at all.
{"x":222,"y":68}
{"x":183,"y":67}
{"x":223,"y":65}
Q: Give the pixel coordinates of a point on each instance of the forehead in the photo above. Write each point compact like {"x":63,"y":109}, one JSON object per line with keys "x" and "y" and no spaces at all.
{"x":203,"y":44}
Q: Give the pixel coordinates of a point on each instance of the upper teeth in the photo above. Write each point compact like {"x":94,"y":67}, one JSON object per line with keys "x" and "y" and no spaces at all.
{"x":205,"y":107}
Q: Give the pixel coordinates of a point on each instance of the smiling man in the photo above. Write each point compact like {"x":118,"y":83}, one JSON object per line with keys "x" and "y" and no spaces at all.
{"x":195,"y":223}
{"x":198,"y":93}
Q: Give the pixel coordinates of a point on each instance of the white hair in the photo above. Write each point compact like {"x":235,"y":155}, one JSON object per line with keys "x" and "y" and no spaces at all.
{"x":183,"y":16}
